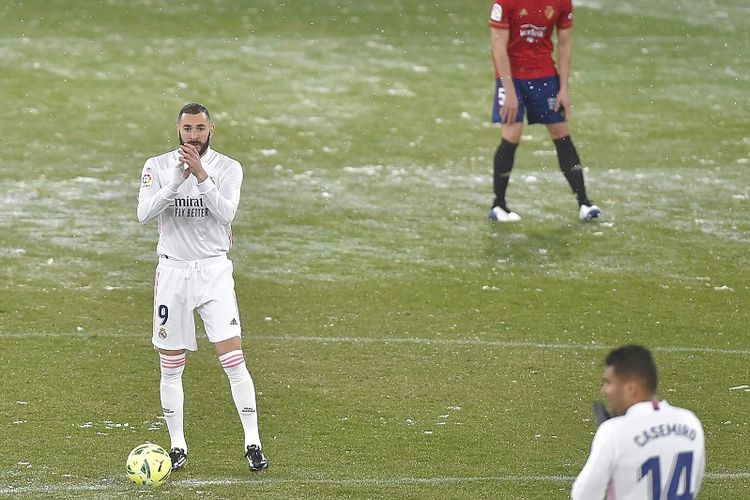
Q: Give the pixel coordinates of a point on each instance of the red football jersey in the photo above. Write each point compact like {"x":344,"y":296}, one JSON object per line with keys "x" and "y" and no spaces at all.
{"x":531,"y":23}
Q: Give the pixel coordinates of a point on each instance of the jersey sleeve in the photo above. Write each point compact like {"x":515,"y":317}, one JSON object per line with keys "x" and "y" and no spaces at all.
{"x":565,"y":21}
{"x":500,"y":14}
{"x":153,"y":198}
{"x":222,"y":201}
{"x":593,"y":480}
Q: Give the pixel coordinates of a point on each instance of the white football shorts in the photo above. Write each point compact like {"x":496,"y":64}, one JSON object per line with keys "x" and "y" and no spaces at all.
{"x":181,"y":287}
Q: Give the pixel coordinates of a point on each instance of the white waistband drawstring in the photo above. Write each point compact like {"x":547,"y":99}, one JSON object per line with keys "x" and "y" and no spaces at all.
{"x":194,"y":270}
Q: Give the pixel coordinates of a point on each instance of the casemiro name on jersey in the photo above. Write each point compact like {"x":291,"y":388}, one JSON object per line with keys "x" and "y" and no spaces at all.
{"x":664,"y":430}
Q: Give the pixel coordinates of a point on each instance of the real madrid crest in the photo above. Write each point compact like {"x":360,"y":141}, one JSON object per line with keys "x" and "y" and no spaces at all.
{"x":162,"y":333}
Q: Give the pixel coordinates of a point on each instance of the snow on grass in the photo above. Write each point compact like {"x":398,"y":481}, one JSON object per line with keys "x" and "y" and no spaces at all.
{"x":378,"y":214}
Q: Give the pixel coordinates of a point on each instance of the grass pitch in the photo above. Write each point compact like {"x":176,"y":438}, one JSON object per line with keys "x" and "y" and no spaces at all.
{"x":402,"y":346}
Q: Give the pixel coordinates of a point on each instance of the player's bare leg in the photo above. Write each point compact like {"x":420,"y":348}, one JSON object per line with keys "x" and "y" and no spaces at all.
{"x":232,"y":361}
{"x":570,"y":165}
{"x":172,"y":365}
{"x":512,"y":132}
{"x":503,"y":164}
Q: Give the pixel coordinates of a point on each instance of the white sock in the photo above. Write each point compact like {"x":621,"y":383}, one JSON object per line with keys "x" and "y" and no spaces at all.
{"x":243,"y":392}
{"x":173,"y":397}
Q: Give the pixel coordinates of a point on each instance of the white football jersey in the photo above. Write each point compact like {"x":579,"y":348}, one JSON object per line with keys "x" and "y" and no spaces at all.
{"x":195,"y":222}
{"x":655,"y":451}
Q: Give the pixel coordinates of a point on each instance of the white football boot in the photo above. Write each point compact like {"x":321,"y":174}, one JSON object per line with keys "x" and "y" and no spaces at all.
{"x":588,"y":212}
{"x":500,"y":215}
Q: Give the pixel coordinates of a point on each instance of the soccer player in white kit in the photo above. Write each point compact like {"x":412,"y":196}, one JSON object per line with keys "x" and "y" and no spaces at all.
{"x":649,"y":450}
{"x":194,"y":192}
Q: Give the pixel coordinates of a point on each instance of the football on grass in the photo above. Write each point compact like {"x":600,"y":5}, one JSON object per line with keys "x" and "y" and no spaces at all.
{"x":149,"y":464}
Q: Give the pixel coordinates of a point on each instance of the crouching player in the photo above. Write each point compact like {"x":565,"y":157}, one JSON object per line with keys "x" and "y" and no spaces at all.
{"x":649,"y":449}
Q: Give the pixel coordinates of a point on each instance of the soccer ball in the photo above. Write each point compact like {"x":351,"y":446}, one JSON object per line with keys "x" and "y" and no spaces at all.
{"x":149,"y":464}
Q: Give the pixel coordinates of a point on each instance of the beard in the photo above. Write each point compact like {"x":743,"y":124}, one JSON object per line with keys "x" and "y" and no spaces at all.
{"x":201,"y":146}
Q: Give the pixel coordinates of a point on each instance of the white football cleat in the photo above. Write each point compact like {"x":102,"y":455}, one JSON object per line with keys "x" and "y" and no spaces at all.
{"x":500,"y":215}
{"x":588,"y":212}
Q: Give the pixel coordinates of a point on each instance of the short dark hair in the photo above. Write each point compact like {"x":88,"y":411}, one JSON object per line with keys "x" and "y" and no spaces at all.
{"x":193,"y":108}
{"x":634,"y":361}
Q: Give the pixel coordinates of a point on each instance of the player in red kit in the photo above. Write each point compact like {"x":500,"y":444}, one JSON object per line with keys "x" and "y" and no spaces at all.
{"x":528,"y":83}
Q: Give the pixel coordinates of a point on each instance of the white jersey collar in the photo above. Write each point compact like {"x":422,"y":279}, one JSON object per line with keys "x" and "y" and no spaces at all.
{"x":647,"y":407}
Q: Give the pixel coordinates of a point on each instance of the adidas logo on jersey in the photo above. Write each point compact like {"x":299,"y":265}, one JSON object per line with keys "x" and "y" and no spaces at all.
{"x":233,"y":322}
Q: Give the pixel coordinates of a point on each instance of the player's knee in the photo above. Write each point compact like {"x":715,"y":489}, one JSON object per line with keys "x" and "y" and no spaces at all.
{"x":171,"y":352}
{"x":229,"y":345}
{"x":512,"y":132}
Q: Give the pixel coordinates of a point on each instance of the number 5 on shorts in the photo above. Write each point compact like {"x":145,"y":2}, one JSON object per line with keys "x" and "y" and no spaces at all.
{"x":501,"y":96}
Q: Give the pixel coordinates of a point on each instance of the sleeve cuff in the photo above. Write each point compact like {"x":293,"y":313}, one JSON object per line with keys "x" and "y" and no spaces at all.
{"x":206,"y":186}
{"x":168,"y":193}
